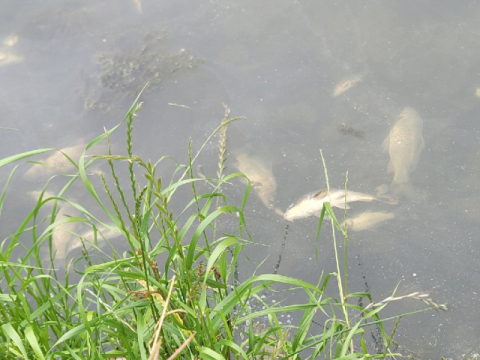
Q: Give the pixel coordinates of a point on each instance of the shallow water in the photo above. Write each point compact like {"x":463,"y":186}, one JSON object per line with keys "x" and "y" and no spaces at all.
{"x":277,"y":63}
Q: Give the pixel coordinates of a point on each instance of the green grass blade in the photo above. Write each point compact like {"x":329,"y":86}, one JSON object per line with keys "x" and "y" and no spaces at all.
{"x":209,"y":354}
{"x":5,"y":188}
{"x":212,"y":260}
{"x":140,"y":334}
{"x":10,"y":332}
{"x":32,"y":340}
{"x":24,"y":155}
{"x":201,"y":228}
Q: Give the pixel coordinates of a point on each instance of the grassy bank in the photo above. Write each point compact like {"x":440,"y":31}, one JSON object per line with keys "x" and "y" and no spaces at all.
{"x":175,"y":292}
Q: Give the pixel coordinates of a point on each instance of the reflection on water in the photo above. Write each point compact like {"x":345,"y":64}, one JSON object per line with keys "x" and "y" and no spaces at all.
{"x":278,"y":63}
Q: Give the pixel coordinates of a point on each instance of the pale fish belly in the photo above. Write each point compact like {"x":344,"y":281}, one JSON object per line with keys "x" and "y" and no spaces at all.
{"x":404,"y":144}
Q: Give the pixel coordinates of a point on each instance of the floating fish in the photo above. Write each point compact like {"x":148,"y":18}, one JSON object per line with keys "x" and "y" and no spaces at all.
{"x":367,"y":220}
{"x":261,"y":178}
{"x":404,"y":144}
{"x":312,"y":203}
{"x":346,"y":84}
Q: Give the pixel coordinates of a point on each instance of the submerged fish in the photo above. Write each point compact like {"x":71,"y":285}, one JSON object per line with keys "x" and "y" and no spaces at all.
{"x":7,"y":58}
{"x":312,"y":203}
{"x":10,"y":40}
{"x":346,"y":84}
{"x":71,"y":235}
{"x":260,"y":176}
{"x":138,"y":5}
{"x":367,"y":220}
{"x":56,"y":162}
{"x":6,"y":55}
{"x":404,"y":144}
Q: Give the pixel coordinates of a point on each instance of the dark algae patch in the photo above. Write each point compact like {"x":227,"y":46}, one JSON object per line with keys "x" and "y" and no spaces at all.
{"x":124,"y":70}
{"x":346,"y":129}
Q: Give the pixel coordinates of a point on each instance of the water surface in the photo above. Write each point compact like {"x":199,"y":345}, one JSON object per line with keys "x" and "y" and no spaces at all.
{"x":277,"y":63}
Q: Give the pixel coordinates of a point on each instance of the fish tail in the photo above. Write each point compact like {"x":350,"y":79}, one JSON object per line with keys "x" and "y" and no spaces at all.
{"x":279,"y":211}
{"x":388,"y":199}
{"x":382,"y":193}
{"x":408,"y":191}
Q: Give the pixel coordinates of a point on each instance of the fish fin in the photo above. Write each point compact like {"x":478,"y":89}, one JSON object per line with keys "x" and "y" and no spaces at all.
{"x":279,"y":211}
{"x":386,"y":143}
{"x":415,"y":160}
{"x":388,"y":199}
{"x":381,"y":190}
{"x":321,"y":192}
{"x":390,"y":167}
{"x":408,"y":191}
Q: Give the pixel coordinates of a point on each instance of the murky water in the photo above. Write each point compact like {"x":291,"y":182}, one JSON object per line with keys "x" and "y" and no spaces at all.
{"x":76,"y":66}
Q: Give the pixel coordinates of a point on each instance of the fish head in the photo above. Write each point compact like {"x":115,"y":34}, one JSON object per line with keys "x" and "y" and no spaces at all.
{"x":409,"y":113}
{"x":296,"y":211}
{"x":308,"y":205}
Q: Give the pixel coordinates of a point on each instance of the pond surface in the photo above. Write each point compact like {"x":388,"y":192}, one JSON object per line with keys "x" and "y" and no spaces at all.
{"x":307,"y":75}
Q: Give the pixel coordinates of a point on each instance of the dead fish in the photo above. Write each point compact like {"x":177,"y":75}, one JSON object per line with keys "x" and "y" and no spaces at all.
{"x":138,"y":5}
{"x":404,"y":144}
{"x":260,"y":176}
{"x":56,"y":162}
{"x":382,"y":193}
{"x":346,"y":84}
{"x":69,"y":236}
{"x":10,"y":40}
{"x":7,"y":58}
{"x":367,"y":220}
{"x":312,"y":203}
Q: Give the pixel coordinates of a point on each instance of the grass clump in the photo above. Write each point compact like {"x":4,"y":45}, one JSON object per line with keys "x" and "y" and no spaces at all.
{"x":175,"y":291}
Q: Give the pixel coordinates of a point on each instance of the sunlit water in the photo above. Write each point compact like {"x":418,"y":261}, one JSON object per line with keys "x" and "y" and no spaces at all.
{"x":79,"y":65}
